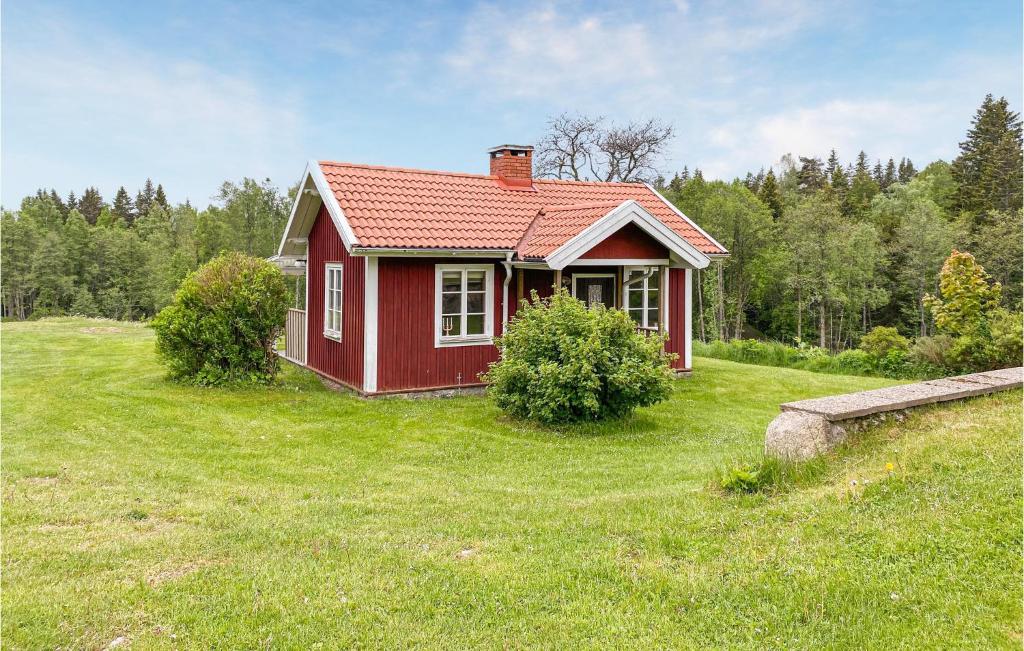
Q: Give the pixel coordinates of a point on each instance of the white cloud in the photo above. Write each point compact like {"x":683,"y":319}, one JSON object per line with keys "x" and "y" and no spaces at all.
{"x":106,"y":114}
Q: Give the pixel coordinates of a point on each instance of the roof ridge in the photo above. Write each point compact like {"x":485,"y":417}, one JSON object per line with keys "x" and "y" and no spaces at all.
{"x":611,"y":203}
{"x":415,"y":170}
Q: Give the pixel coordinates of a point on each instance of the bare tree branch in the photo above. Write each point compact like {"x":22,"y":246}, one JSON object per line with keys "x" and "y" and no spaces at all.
{"x":582,"y":148}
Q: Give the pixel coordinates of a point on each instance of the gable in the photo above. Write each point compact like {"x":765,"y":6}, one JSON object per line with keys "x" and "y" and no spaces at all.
{"x":629,"y":242}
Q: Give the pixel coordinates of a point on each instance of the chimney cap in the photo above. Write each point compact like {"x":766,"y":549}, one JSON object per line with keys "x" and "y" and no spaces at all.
{"x":510,"y":147}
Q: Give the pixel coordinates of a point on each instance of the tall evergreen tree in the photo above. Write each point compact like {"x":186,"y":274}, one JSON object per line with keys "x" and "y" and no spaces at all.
{"x":833,"y":164}
{"x":123,"y":208}
{"x":91,"y":205}
{"x":72,"y":202}
{"x":685,"y":174}
{"x":906,"y":170}
{"x":878,"y":173}
{"x":160,"y":198}
{"x":889,"y":177}
{"x":144,"y":199}
{"x":770,"y":195}
{"x":989,"y":167}
{"x":61,"y":206}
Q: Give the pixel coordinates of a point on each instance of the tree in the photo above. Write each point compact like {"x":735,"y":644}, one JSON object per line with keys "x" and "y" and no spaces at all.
{"x":123,"y":208}
{"x":889,"y":177}
{"x":254,"y":214}
{"x":998,"y":247}
{"x":20,"y":239}
{"x":583,"y":148}
{"x":988,"y":170}
{"x":144,"y":198}
{"x":832,"y":164}
{"x":769,"y":194}
{"x":922,"y":240}
{"x":863,"y":189}
{"x":90,"y":205}
{"x":906,"y":170}
{"x":967,"y":297}
{"x":160,"y":198}
{"x":810,"y":178}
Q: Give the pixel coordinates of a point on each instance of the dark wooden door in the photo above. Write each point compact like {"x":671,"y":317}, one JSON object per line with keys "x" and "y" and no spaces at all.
{"x":596,"y":289}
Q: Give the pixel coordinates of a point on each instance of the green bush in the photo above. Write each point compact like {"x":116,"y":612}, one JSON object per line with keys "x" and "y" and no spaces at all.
{"x":1007,"y":331}
{"x":563,"y":362}
{"x":881,"y":340}
{"x":933,"y":352}
{"x":223,"y":321}
{"x":855,"y":362}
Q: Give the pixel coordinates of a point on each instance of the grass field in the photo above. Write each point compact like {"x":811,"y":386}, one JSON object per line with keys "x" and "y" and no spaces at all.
{"x":295,"y":517}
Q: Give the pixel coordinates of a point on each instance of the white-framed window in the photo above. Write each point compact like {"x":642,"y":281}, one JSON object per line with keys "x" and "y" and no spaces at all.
{"x":463,"y":304}
{"x":642,"y":300}
{"x":332,"y":300}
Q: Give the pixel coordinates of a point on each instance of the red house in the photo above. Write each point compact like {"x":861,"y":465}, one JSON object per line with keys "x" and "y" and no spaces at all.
{"x":410,"y":274}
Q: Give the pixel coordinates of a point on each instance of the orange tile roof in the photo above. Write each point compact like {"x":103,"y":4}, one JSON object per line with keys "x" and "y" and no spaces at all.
{"x":556,"y":225}
{"x":391,"y":207}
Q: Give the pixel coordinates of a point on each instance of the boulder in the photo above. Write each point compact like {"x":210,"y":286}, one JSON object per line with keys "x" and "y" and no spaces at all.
{"x":797,"y":436}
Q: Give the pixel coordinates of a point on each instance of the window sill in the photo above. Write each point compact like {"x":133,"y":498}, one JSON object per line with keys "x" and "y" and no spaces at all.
{"x":468,"y":341}
{"x":333,"y":336}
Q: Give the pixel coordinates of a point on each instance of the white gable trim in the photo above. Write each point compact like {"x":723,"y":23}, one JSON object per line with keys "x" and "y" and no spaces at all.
{"x":314,"y":176}
{"x":689,"y":221}
{"x":627,"y":212}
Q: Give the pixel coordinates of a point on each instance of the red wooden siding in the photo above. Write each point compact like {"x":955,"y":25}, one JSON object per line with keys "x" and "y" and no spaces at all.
{"x":342,"y":361}
{"x":406,"y":356}
{"x":677,"y":308}
{"x":630,"y":241}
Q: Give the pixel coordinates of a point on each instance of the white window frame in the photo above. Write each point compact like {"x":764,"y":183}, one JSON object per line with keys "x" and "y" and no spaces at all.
{"x":600,"y":275}
{"x":627,"y":288}
{"x":330,"y":267}
{"x":487,"y":338}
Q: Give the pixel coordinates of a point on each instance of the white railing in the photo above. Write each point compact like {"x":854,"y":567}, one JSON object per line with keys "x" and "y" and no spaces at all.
{"x":295,"y":336}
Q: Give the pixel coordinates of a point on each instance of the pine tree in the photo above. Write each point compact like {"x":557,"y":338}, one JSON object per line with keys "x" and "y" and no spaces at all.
{"x":91,"y":205}
{"x":685,"y":175}
{"x":770,"y":195}
{"x":123,"y":207}
{"x":161,"y":198}
{"x":144,"y":199}
{"x":676,"y":184}
{"x":877,"y":173}
{"x":839,"y":183}
{"x":906,"y":171}
{"x":697,"y":174}
{"x":988,"y":169}
{"x":61,"y":206}
{"x":72,"y":202}
{"x":810,"y":177}
{"x":833,"y":164}
{"x":889,"y":177}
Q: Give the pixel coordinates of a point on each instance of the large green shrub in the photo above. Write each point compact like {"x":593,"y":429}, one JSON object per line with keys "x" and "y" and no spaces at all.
{"x":563,"y":362}
{"x":882,"y":340}
{"x":223,"y":321}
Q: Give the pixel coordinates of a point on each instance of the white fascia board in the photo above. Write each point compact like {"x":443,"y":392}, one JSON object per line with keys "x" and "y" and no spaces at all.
{"x":286,"y":235}
{"x":689,"y":221}
{"x":628,"y":211}
{"x":333,"y":209}
{"x":370,"y":303}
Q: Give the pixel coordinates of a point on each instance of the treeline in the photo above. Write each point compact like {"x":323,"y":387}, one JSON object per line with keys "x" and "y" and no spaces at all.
{"x":821,"y":252}
{"x":124,"y":260}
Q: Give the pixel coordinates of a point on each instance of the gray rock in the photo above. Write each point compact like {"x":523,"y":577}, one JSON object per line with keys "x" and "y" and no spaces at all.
{"x":797,"y":436}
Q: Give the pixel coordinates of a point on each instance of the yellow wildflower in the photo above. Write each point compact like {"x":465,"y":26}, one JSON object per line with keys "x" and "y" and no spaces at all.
{"x":889,"y":467}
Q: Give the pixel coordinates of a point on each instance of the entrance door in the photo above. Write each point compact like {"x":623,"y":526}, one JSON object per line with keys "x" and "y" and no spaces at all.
{"x":594,"y":288}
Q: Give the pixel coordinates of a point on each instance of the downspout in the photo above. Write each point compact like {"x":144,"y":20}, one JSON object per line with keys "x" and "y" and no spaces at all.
{"x":504,"y":290}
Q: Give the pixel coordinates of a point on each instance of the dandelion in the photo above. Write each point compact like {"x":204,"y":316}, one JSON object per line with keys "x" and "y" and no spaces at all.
{"x":889,"y":467}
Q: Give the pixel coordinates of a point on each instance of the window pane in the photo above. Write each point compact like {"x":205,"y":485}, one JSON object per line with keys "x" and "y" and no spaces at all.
{"x":652,"y":298}
{"x":633,"y":274}
{"x":652,"y":318}
{"x":475,"y":303}
{"x":636,"y":298}
{"x":451,"y":303}
{"x":475,"y":280}
{"x":652,"y":282}
{"x":636,"y":315}
{"x":475,"y":324}
{"x":451,"y":281}
{"x":451,"y":326}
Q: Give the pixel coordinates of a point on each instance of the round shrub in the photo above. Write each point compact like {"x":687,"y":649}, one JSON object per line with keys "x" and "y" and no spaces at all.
{"x":223,"y":322}
{"x":563,"y":362}
{"x":882,"y":340}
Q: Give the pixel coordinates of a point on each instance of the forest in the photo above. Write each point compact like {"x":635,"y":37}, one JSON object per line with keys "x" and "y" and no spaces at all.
{"x":821,"y":251}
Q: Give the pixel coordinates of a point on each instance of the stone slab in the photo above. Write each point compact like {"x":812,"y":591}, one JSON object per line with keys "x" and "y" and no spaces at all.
{"x":866,"y":403}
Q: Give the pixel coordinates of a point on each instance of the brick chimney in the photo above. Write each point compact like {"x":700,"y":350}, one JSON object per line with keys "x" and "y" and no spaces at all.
{"x":513,"y":164}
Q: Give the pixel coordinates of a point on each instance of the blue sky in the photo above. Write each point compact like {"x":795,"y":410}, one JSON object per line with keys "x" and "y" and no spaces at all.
{"x":192,"y":94}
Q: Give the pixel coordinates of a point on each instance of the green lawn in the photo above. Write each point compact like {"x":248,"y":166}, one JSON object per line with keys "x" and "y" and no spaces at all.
{"x":296,"y":517}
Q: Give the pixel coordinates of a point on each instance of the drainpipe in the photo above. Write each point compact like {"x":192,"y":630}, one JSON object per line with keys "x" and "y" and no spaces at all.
{"x":504,"y":290}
